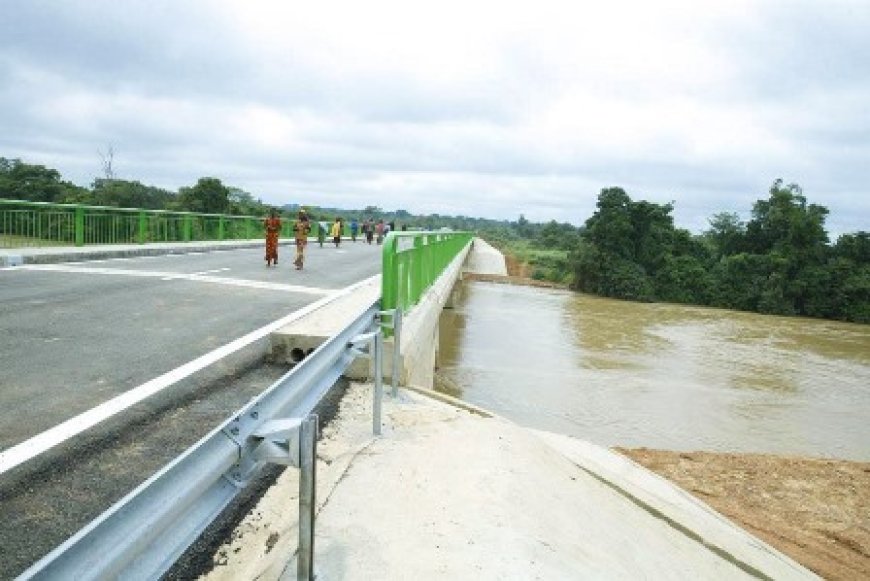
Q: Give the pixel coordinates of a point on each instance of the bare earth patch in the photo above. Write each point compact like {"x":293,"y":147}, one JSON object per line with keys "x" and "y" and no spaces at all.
{"x":517,"y":280}
{"x":816,"y":511}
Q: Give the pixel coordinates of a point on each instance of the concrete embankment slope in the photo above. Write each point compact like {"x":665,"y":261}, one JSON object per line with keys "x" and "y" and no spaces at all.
{"x":449,"y":494}
{"x":484,"y":259}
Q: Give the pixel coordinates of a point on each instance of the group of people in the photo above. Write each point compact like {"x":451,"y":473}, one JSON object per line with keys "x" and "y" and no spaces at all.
{"x":370,"y":230}
{"x":301,"y":230}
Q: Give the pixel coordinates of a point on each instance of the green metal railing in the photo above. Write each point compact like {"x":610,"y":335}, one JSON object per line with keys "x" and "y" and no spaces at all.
{"x":25,"y":223}
{"x":412,"y":261}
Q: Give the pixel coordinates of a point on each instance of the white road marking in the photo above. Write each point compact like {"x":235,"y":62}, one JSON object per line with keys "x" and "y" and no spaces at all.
{"x":163,"y":275}
{"x":32,"y":447}
{"x":210,"y":271}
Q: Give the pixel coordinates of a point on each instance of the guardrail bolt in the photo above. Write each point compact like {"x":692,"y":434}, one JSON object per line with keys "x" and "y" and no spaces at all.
{"x":255,"y":415}
{"x":234,"y":431}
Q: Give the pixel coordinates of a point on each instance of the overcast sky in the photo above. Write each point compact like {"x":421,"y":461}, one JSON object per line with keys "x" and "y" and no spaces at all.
{"x":487,"y":109}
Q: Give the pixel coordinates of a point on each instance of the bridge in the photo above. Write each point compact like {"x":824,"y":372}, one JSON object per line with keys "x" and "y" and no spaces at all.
{"x":194,"y":336}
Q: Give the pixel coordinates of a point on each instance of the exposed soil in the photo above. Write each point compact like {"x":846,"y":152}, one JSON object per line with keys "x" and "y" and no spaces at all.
{"x":519,"y":280}
{"x":816,"y":511}
{"x":517,"y":268}
{"x":519,"y":272}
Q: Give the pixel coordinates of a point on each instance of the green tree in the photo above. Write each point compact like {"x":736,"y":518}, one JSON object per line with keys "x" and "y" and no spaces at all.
{"x":610,"y":228}
{"x":554,"y":235}
{"x":244,"y":204}
{"x":625,"y":246}
{"x":208,"y":196}
{"x":35,"y":183}
{"x":750,"y":282}
{"x":130,"y":194}
{"x":786,"y":227}
{"x":683,"y":279}
{"x":787,"y":224}
{"x":726,"y":234}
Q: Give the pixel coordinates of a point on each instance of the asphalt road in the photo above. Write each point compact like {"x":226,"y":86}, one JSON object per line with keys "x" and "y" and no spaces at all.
{"x":74,"y":335}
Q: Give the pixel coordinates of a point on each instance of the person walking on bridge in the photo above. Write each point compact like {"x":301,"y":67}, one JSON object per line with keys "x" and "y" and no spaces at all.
{"x":273,"y":230}
{"x":322,"y":227}
{"x":300,"y":230}
{"x":336,"y":232}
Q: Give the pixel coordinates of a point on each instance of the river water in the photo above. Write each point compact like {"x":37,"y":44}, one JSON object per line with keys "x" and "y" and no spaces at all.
{"x":663,"y":376}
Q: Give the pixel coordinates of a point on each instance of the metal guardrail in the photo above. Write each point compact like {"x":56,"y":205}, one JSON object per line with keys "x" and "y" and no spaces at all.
{"x":24,"y":224}
{"x":144,"y":533}
{"x":413,"y":261}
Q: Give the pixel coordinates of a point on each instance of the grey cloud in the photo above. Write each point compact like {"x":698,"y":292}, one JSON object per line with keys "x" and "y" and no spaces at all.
{"x":406,"y":141}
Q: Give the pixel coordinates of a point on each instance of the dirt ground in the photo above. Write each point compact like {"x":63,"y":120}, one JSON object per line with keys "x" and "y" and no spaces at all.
{"x":517,"y":268}
{"x":499,"y":278}
{"x":816,"y":511}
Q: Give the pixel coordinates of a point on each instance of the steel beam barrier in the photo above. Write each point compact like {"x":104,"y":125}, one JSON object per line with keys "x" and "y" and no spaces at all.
{"x":143,"y":534}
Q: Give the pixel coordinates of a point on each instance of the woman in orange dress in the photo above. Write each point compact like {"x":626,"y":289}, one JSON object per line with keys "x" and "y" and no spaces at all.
{"x":273,"y":229}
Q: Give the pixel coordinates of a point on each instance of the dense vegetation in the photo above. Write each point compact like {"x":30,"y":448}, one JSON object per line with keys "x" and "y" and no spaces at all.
{"x":36,"y":183}
{"x":779,"y":262}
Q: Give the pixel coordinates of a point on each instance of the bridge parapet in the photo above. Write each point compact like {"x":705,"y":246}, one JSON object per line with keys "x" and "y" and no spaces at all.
{"x":420,"y":270}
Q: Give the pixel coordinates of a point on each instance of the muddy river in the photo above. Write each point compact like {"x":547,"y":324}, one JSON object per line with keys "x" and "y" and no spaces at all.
{"x":660,"y":376}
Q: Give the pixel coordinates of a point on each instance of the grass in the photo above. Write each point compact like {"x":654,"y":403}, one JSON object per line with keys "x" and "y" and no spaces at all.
{"x":527,"y":260}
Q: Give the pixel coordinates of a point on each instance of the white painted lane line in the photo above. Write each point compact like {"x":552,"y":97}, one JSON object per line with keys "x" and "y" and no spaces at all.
{"x":38,"y":444}
{"x":210,"y":271}
{"x":164,"y":275}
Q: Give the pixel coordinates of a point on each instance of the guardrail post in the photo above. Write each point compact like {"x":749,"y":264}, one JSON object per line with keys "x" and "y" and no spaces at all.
{"x":394,"y":327}
{"x":374,"y":340}
{"x":80,"y":226}
{"x":307,"y":497}
{"x":379,"y":382}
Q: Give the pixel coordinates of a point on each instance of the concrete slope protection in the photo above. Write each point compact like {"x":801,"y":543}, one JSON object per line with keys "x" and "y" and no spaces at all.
{"x":448,"y":494}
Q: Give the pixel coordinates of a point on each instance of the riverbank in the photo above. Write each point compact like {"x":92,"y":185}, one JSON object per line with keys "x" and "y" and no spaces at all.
{"x":817,"y":511}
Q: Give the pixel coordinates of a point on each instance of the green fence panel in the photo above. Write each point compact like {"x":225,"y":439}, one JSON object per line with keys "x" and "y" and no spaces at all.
{"x":413,"y":261}
{"x":24,"y":223}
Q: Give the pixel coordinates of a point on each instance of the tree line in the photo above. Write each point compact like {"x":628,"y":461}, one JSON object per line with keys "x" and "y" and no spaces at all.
{"x":37,"y":183}
{"x":779,"y":262}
